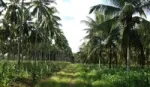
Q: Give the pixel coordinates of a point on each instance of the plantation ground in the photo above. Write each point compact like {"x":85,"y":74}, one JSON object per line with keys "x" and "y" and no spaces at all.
{"x":73,"y":75}
{"x":63,"y":74}
{"x":77,"y":75}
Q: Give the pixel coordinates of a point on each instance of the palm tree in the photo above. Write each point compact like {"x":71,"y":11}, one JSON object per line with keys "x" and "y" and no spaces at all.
{"x":19,"y":27}
{"x":92,"y":37}
{"x":144,"y":39}
{"x":100,"y":31}
{"x":50,"y":27}
{"x":20,"y":35}
{"x":124,"y":10}
{"x":14,"y":17}
{"x":42,"y":12}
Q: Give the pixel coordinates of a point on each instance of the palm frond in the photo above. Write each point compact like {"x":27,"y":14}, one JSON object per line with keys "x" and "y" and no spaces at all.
{"x":47,"y":2}
{"x":139,"y":20}
{"x":93,"y":51}
{"x":118,"y":3}
{"x":89,"y":22}
{"x":107,"y":25}
{"x":141,"y":12}
{"x":2,"y":3}
{"x":107,"y":9}
{"x":145,"y":4}
{"x":34,"y":11}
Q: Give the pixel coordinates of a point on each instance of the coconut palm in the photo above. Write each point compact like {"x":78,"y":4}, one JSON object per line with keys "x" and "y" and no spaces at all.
{"x":92,"y":37}
{"x":14,"y":17}
{"x":98,"y":33}
{"x":124,"y":10}
{"x":143,"y":33}
{"x":42,"y":12}
{"x":50,"y":27}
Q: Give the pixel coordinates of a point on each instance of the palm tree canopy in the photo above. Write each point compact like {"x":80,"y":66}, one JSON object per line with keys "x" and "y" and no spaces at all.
{"x":119,"y":6}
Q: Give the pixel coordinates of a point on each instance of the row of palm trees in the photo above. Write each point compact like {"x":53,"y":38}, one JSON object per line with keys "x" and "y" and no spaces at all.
{"x":33,"y":27}
{"x":119,"y":33}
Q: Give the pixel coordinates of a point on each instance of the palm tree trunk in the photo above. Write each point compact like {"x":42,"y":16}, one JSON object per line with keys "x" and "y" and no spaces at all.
{"x":20,"y":35}
{"x":115,"y":57}
{"x":99,"y":61}
{"x":49,"y":56}
{"x":142,"y":57}
{"x":3,"y":57}
{"x":147,"y":56}
{"x":35,"y":48}
{"x":125,"y":56}
{"x":128,"y":57}
{"x":34,"y":59}
{"x":110,"y":56}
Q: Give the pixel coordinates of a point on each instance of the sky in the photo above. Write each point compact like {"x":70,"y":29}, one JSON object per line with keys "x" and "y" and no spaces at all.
{"x":71,"y":13}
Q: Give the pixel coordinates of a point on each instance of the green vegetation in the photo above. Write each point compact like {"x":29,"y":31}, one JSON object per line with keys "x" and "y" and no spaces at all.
{"x":79,"y":75}
{"x":119,"y":34}
{"x":61,"y":74}
{"x":39,"y":37}
{"x":115,"y":52}
{"x":28,"y":72}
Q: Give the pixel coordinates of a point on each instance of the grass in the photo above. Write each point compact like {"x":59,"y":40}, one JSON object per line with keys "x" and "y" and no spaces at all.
{"x":29,"y":73}
{"x":62,"y":74}
{"x":91,"y":76}
{"x":70,"y":75}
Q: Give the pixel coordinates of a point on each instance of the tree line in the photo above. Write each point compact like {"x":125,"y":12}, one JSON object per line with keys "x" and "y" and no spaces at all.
{"x":30,"y":30}
{"x":119,"y":34}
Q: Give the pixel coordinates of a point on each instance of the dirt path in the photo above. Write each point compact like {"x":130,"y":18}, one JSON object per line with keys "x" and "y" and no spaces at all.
{"x":72,"y":81}
{"x":71,"y":76}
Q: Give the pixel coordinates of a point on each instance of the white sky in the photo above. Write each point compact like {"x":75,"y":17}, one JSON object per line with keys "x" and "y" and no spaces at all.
{"x":71,"y":13}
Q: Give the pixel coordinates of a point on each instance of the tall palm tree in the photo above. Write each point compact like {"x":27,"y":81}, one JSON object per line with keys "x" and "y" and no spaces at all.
{"x":50,"y":27}
{"x":100,"y":31}
{"x":18,"y":27}
{"x":92,"y":37}
{"x":20,"y":34}
{"x":124,"y":10}
{"x":14,"y":17}
{"x":42,"y":12}
{"x":144,"y":38}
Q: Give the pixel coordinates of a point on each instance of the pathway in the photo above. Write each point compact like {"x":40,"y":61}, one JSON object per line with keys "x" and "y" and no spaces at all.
{"x":71,"y":76}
